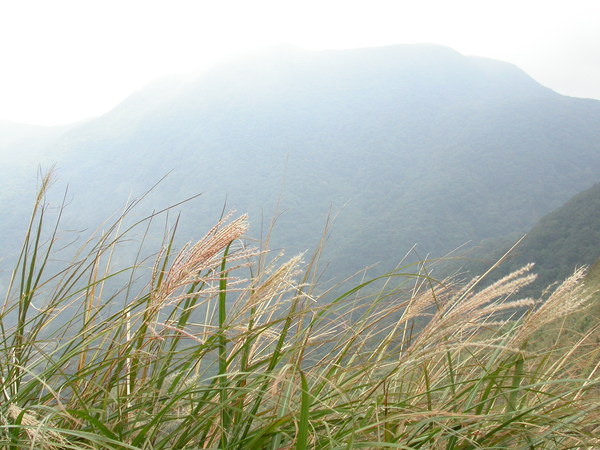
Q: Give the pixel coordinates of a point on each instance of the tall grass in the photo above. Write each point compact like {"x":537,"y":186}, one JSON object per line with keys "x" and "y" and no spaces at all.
{"x":220,"y":349}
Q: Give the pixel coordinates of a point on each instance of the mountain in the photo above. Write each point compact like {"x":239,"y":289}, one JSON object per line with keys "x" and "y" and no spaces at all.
{"x":23,"y":151}
{"x":562,"y":240}
{"x":412,"y":144}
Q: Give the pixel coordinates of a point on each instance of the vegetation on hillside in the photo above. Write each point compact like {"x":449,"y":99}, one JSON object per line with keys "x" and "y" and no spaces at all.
{"x":219,"y":345}
{"x":408,"y":144}
{"x":567,"y":238}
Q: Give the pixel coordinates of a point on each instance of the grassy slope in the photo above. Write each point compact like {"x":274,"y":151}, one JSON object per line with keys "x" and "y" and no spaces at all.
{"x":222,"y":349}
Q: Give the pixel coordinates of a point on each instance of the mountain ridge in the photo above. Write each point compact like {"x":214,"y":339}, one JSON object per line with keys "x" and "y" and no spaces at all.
{"x":407,"y":144}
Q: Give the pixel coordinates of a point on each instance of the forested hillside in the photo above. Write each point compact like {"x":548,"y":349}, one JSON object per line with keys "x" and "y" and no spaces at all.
{"x":564,"y":239}
{"x":403,"y":145}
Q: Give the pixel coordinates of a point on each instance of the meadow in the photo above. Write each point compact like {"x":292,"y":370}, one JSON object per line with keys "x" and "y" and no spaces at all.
{"x":223,"y":344}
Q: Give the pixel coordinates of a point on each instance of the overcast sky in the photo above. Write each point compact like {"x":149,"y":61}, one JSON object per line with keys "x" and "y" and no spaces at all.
{"x":66,"y":60}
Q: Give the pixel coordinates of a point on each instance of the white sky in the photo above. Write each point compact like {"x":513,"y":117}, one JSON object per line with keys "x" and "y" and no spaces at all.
{"x":66,"y":60}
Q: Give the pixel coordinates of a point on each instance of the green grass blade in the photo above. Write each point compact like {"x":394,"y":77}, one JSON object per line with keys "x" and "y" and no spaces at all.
{"x":305,"y":403}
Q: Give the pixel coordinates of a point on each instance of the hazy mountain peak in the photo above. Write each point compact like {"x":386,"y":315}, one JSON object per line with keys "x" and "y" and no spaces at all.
{"x":413,"y":143}
{"x":397,"y":71}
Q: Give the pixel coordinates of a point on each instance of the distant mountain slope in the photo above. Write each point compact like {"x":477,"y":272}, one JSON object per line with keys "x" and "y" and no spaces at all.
{"x":23,"y":151}
{"x":564,"y":239}
{"x":407,"y":144}
{"x":22,"y":144}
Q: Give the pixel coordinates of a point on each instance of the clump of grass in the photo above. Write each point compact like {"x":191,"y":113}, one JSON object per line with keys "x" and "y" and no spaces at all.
{"x":221,"y":350}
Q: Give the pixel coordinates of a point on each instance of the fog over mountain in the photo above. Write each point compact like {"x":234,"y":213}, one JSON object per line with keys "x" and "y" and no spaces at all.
{"x":412,"y":144}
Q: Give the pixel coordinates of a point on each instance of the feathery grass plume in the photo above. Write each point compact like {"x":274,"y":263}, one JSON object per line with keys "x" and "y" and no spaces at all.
{"x":462,"y":312}
{"x":221,"y":350}
{"x":205,"y":254}
{"x":570,"y":296}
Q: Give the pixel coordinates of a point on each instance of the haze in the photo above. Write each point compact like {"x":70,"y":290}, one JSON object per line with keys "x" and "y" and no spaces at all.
{"x":66,"y":60}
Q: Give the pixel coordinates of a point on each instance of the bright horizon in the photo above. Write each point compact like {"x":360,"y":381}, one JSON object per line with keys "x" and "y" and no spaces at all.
{"x":69,"y":60}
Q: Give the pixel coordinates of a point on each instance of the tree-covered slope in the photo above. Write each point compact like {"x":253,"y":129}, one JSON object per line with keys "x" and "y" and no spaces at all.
{"x":405,"y":144}
{"x":562,"y":240}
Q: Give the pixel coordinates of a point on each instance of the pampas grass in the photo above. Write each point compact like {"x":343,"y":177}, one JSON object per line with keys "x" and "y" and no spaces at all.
{"x":221,"y":349}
